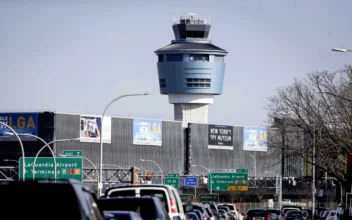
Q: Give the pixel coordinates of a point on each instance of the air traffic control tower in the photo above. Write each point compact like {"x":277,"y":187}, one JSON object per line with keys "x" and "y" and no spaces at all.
{"x":191,"y":69}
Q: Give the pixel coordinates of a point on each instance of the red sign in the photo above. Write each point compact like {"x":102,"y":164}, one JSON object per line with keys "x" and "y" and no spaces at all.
{"x":70,"y":171}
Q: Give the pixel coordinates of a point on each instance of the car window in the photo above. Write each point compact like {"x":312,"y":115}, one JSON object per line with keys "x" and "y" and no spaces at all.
{"x":286,"y":210}
{"x":232,"y":207}
{"x":192,"y":216}
{"x":294,"y":214}
{"x":144,"y":207}
{"x":254,"y":212}
{"x":123,"y":193}
{"x":160,"y":194}
{"x":273,"y":212}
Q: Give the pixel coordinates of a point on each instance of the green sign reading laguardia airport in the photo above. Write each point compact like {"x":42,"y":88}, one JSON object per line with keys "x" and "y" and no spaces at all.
{"x":228,"y":181}
{"x":66,"y":168}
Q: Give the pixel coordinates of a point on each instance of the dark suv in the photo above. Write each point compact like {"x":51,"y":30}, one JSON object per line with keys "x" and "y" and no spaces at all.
{"x":47,"y":200}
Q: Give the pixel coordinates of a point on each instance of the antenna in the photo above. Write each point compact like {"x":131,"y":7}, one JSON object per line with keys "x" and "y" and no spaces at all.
{"x":209,"y":19}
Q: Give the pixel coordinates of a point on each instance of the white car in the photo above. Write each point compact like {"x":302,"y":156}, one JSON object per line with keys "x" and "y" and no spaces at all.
{"x":233,"y":209}
{"x":168,"y":196}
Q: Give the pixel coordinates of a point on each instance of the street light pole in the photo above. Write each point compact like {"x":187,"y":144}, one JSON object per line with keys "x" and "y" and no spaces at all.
{"x":48,"y":146}
{"x":162,"y":182}
{"x":100,"y":184}
{"x":210,"y":181}
{"x":255,"y":170}
{"x":22,"y":149}
{"x":45,"y":145}
{"x":278,"y":186}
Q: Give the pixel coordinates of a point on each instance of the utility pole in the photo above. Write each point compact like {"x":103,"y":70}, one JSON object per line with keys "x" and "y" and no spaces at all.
{"x":313,"y":182}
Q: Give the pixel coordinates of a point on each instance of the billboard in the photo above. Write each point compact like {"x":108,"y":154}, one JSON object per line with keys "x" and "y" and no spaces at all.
{"x":220,"y":137}
{"x":147,"y":132}
{"x":255,"y":139}
{"x":22,"y":123}
{"x":90,"y":129}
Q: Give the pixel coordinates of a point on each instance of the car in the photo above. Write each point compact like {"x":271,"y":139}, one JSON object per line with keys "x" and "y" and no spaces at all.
{"x":233,"y":210}
{"x":274,"y":213}
{"x":286,"y":209}
{"x":295,"y":215}
{"x":168,"y":195}
{"x":146,"y":207}
{"x":259,"y":214}
{"x":46,"y":199}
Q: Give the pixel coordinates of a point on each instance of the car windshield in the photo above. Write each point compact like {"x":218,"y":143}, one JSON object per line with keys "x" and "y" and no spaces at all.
{"x":273,"y":212}
{"x":286,"y":210}
{"x":294,"y":214}
{"x":145,"y":207}
{"x":257,"y":212}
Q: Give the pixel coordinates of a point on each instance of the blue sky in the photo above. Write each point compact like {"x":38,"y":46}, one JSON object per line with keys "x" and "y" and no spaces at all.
{"x":76,"y":56}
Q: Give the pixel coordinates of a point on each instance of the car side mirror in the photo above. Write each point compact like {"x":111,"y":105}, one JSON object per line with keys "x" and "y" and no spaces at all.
{"x":242,"y":214}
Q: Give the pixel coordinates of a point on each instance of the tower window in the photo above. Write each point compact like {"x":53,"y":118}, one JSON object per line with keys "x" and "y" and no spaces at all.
{"x":199,"y":57}
{"x":195,"y":34}
{"x":161,"y":58}
{"x":174,"y":57}
{"x":162,"y":83}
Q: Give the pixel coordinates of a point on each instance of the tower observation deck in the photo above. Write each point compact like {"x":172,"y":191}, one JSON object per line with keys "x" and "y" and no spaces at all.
{"x":191,"y":69}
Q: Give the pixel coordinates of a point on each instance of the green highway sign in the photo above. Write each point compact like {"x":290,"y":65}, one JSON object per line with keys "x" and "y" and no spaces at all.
{"x":228,"y":181}
{"x":209,"y":198}
{"x":66,"y":168}
{"x":276,"y":197}
{"x":172,"y":181}
{"x":71,"y":153}
{"x":173,"y":175}
{"x":241,"y":170}
{"x":187,"y":197}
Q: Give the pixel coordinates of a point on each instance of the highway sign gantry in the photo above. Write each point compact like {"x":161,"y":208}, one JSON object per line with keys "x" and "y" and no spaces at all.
{"x":66,"y":168}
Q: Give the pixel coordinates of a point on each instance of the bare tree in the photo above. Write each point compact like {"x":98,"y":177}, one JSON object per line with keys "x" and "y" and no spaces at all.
{"x":315,"y":111}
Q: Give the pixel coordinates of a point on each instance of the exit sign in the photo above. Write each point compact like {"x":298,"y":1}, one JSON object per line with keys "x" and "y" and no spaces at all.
{"x":73,"y":153}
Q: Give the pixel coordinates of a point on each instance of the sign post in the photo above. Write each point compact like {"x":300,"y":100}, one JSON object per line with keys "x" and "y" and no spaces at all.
{"x":66,"y":168}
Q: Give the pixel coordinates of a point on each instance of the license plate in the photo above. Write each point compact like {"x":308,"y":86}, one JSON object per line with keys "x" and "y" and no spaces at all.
{"x":258,"y":218}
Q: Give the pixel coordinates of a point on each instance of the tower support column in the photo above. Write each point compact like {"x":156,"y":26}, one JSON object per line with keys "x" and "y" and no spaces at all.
{"x":191,"y":108}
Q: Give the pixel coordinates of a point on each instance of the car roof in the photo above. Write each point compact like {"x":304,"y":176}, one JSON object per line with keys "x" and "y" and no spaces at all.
{"x":257,"y":209}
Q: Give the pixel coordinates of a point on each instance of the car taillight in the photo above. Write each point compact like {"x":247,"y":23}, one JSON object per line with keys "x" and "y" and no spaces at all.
{"x":173,"y":206}
{"x":267,"y":218}
{"x":304,"y":218}
{"x":248,"y":217}
{"x":234,"y":213}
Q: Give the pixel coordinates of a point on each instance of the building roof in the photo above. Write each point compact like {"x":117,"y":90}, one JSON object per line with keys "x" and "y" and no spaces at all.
{"x":191,"y":46}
